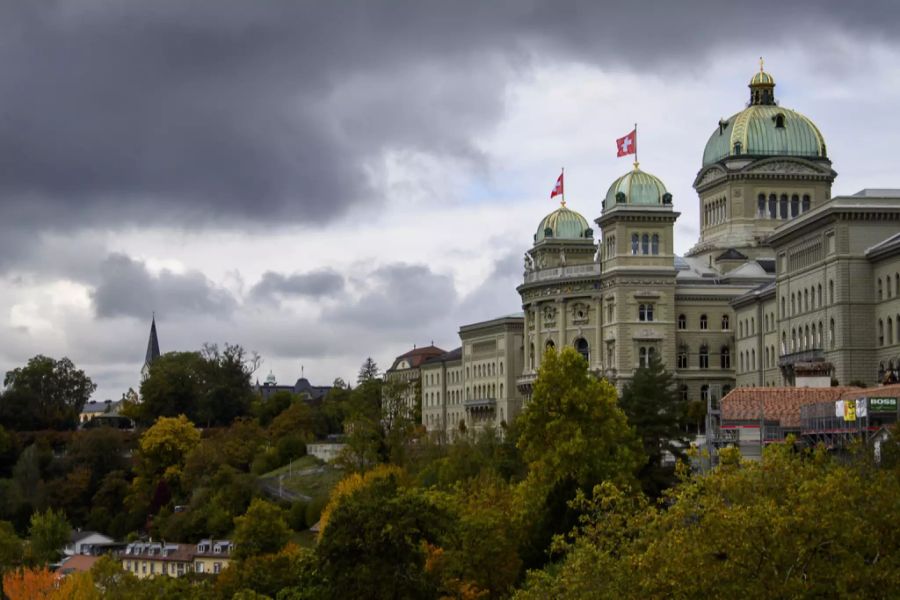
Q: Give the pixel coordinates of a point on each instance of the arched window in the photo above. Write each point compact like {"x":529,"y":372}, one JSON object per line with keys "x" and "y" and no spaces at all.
{"x":783,"y":342}
{"x":795,"y":205}
{"x":642,"y":353}
{"x":831,"y":340}
{"x":583,"y":349}
{"x":704,"y":323}
{"x":645,"y":244}
{"x":820,"y":339}
{"x":741,"y":362}
{"x":783,"y":312}
{"x":683,"y":357}
{"x":890,"y":331}
{"x":682,"y":322}
{"x":783,"y":206}
{"x":704,"y":393}
{"x":642,"y":312}
{"x":773,"y":206}
{"x":740,"y":329}
{"x":761,"y":206}
{"x":753,"y":359}
{"x":726,"y":322}
{"x":531,"y":355}
{"x":806,"y":300}
{"x":805,"y":202}
{"x":831,"y":291}
{"x":635,"y":243}
{"x":649,"y":312}
{"x":820,"y":302}
{"x":880,"y":289}
{"x":654,"y":244}
{"x":793,"y":304}
{"x":897,"y":284}
{"x":704,"y":356}
{"x":501,"y":390}
{"x":793,"y":340}
{"x":725,"y":357}
{"x":779,"y":121}
{"x":549,"y":345}
{"x":880,"y":332}
{"x":752,"y":325}
{"x":684,"y":392}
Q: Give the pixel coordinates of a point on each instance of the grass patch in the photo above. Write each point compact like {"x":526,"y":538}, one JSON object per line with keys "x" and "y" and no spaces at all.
{"x":307,"y":476}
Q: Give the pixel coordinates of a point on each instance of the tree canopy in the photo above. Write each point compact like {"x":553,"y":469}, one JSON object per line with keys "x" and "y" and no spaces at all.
{"x":660,"y":417}
{"x":44,"y":394}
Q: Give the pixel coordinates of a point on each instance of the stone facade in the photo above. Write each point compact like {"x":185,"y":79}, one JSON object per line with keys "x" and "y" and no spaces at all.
{"x":782,"y":275}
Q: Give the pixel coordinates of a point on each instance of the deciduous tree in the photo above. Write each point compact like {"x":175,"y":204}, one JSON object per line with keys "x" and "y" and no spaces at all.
{"x":45,"y":393}
{"x":49,"y":533}
{"x":261,"y":530}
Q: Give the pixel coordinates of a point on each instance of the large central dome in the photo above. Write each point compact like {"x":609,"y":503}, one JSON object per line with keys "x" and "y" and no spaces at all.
{"x":764,"y":129}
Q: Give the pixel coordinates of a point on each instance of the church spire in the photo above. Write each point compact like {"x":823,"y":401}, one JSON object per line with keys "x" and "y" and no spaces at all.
{"x":152,"y":347}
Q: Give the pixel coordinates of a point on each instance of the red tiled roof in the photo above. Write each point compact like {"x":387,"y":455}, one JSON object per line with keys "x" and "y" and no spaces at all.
{"x":77,"y":564}
{"x":417,"y":356}
{"x":783,"y":403}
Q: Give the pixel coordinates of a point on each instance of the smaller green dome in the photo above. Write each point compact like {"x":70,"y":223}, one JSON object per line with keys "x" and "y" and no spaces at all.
{"x":563,"y":224}
{"x":637,"y":188}
{"x":762,"y":78}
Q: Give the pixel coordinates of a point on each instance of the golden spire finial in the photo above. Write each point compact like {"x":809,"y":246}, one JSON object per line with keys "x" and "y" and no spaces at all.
{"x":637,"y":165}
{"x":761,"y":65}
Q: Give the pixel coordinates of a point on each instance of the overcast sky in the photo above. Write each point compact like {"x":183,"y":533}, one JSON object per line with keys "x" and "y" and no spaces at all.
{"x":326,"y":181}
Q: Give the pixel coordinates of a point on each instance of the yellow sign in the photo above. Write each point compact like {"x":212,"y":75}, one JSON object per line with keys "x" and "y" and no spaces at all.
{"x":850,"y":410}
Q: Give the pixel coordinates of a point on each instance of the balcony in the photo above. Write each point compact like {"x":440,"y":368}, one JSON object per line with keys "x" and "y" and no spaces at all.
{"x":804,"y":356}
{"x":562,"y":273}
{"x":481,"y":404}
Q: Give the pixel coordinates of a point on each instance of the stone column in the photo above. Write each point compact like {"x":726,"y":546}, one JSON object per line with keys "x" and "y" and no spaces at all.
{"x":561,"y":320}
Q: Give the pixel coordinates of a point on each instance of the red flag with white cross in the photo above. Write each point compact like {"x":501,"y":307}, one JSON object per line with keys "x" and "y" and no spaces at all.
{"x":558,"y":188}
{"x":628,"y":144}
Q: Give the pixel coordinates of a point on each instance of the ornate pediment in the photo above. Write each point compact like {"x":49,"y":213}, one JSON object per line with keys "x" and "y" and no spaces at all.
{"x":710,"y":176}
{"x":784,"y":167}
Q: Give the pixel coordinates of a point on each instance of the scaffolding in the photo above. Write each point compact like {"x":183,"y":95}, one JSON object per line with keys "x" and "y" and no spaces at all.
{"x":820,"y":424}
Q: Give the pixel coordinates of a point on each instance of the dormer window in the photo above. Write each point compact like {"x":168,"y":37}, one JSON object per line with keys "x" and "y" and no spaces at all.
{"x":737,"y":148}
{"x":548,"y":232}
{"x":723,"y":125}
{"x":779,"y":121}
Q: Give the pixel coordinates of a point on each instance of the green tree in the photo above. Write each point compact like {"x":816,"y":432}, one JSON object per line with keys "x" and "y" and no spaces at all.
{"x":44,"y":394}
{"x":573,"y":427}
{"x":10,"y":547}
{"x":796,"y":525}
{"x":659,"y":415}
{"x":368,"y":371}
{"x":572,"y":436}
{"x":227,"y":392}
{"x":261,"y":530}
{"x":376,"y":541}
{"x":174,"y":385}
{"x":49,"y":533}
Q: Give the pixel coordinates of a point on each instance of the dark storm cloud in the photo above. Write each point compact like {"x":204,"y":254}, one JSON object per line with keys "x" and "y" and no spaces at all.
{"x":241,"y":112}
{"x":324,"y":282}
{"x":127,"y":288}
{"x":400,"y":296}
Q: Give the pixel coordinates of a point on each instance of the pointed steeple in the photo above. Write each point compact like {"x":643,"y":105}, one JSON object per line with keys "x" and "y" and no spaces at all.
{"x":152,"y":347}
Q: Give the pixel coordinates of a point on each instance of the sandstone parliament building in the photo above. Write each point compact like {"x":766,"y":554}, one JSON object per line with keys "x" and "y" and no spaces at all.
{"x":783,"y":275}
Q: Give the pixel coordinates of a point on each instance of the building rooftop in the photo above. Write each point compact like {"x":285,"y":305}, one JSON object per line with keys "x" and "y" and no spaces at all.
{"x":783,"y":404}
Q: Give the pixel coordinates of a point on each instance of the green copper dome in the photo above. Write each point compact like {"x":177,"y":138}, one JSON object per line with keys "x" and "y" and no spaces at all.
{"x":563,"y":224}
{"x":637,"y":188}
{"x":764,"y":129}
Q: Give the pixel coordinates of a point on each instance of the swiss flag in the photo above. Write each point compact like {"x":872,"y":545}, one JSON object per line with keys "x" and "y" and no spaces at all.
{"x":558,"y":188}
{"x":627,"y":144}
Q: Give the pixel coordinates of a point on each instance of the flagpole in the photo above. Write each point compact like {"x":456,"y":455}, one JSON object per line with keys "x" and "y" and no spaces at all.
{"x":635,"y":148}
{"x":563,"y":176}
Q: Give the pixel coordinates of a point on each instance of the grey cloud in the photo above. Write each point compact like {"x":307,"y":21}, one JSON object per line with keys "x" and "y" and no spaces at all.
{"x":400,"y":296}
{"x":324,"y":282}
{"x":234,"y":112}
{"x":127,"y":288}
